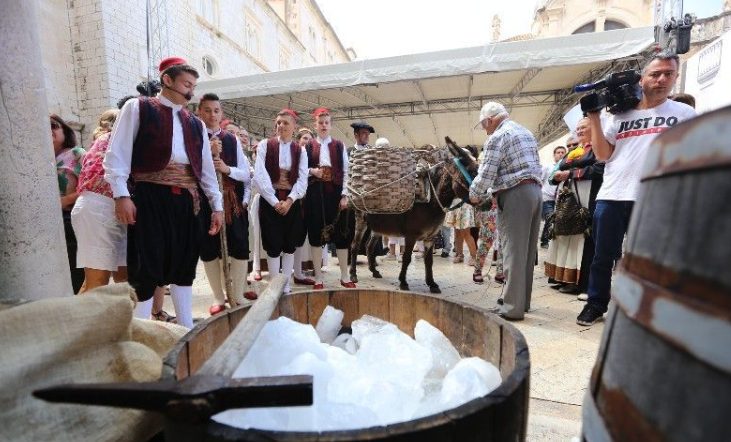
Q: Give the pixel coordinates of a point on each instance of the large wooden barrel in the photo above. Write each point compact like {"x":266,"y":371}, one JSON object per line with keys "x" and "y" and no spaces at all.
{"x":499,"y":416}
{"x":664,"y":365}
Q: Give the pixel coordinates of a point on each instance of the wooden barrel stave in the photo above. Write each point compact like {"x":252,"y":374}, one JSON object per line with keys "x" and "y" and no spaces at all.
{"x":499,"y":416}
{"x":664,"y":365}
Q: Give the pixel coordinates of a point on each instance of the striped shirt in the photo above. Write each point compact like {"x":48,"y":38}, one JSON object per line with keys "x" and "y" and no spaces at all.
{"x":510,"y":156}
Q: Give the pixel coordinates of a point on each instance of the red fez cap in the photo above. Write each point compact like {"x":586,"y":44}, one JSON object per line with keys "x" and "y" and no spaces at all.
{"x":169,"y":62}
{"x":320,"y":111}
{"x":291,"y":113}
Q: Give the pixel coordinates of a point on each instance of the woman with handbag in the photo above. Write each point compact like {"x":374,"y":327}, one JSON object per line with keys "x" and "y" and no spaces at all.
{"x":579,"y":177}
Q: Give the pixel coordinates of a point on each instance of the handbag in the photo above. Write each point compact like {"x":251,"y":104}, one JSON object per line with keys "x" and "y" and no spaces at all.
{"x":570,"y":217}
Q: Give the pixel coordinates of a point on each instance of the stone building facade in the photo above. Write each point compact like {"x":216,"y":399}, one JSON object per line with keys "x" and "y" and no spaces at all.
{"x":95,"y":51}
{"x":554,"y":18}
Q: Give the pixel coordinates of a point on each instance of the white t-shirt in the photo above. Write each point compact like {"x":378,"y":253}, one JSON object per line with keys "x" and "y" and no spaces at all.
{"x":631,"y":133}
{"x":548,"y":189}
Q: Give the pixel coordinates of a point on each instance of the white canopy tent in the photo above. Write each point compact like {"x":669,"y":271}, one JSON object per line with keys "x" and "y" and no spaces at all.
{"x":418,"y":99}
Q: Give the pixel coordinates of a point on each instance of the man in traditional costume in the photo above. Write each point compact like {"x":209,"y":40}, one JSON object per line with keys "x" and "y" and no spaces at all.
{"x":230,"y":161}
{"x":165,"y":150}
{"x":326,"y":202}
{"x":280,"y":174}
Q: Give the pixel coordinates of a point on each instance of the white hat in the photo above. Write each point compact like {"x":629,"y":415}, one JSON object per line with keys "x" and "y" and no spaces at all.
{"x":491,"y":109}
{"x":382,"y":142}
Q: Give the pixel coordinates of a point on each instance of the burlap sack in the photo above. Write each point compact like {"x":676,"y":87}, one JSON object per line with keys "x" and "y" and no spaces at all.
{"x":86,"y":338}
{"x":382,"y":180}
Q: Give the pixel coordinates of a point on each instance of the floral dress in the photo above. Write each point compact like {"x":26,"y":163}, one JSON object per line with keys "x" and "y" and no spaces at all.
{"x":68,"y":162}
{"x":91,"y":177}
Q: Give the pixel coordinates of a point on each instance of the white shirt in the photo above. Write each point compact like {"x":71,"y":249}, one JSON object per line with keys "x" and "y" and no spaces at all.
{"x":548,"y":190}
{"x":241,"y":172}
{"x":632,"y":132}
{"x":264,"y":183}
{"x":325,"y":160}
{"x":118,"y":160}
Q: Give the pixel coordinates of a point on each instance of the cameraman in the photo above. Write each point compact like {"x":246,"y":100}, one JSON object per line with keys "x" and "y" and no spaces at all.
{"x":623,"y":143}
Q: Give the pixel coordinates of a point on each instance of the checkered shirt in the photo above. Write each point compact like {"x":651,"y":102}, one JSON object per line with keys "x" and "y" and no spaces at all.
{"x":510,"y":156}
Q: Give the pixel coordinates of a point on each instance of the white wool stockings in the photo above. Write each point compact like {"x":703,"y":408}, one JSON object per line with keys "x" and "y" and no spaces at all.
{"x":213,"y":273}
{"x":298,"y":252}
{"x":343,"y":262}
{"x":143,"y":309}
{"x":316,"y":253}
{"x":183,"y":302}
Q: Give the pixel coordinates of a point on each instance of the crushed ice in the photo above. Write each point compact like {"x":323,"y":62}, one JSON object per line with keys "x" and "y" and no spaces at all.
{"x":379,"y":375}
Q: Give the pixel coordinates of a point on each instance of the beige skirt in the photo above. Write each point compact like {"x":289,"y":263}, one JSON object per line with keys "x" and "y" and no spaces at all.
{"x":565,"y":252}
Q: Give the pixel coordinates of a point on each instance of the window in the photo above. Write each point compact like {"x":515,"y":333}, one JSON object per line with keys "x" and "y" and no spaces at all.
{"x":207,"y":9}
{"x":312,"y":41}
{"x":611,"y":25}
{"x":283,"y":59}
{"x":209,"y":65}
{"x":589,"y":27}
{"x":252,"y":39}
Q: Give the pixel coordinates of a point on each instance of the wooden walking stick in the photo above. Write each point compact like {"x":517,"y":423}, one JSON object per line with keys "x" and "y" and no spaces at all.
{"x":225,"y":264}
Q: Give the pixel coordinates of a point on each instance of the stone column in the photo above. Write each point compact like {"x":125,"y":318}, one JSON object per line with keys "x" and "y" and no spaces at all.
{"x":33,"y":260}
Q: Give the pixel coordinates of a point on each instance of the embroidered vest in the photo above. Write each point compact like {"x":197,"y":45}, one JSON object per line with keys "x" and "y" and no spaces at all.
{"x":336,"y":158}
{"x":153,"y":145}
{"x":271,"y":162}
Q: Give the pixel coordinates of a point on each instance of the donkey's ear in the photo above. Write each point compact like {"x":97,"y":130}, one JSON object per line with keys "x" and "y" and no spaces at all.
{"x":452,"y":146}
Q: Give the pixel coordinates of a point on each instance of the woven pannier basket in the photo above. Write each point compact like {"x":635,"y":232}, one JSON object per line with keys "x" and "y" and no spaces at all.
{"x":382,"y":180}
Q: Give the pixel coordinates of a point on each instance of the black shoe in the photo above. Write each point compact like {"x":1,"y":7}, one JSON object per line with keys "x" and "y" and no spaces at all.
{"x":558,"y":286}
{"x":590,"y":315}
{"x":570,"y":289}
{"x":445,"y":254}
{"x":552,"y":281}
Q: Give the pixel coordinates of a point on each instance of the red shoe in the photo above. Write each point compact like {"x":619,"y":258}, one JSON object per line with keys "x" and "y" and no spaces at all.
{"x":251,"y":296}
{"x":304,"y":281}
{"x":319,"y":286}
{"x":216,"y":309}
{"x":348,"y":285}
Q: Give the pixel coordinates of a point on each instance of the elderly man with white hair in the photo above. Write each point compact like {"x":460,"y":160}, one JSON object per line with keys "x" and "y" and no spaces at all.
{"x":512,"y":169}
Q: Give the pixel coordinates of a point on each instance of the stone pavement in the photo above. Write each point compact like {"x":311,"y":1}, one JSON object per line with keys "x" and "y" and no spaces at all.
{"x":562,"y":353}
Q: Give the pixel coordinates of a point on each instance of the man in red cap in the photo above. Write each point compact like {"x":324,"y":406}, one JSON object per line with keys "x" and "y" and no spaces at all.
{"x":230,"y":161}
{"x":164,"y":150}
{"x":327,"y":197}
{"x":280,"y":174}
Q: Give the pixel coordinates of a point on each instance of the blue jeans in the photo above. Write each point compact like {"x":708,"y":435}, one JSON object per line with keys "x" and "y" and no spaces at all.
{"x":611,"y":219}
{"x":546,"y":209}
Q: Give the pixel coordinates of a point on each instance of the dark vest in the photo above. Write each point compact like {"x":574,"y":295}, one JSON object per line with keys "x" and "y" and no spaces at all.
{"x":229,"y":156}
{"x":336,"y":158}
{"x":271,"y":162}
{"x":153,"y":145}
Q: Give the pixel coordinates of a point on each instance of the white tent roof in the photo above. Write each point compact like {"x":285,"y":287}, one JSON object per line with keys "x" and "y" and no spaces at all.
{"x":418,"y":99}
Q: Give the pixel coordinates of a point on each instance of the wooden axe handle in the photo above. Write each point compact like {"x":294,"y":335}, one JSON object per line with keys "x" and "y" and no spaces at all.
{"x":225,"y":360}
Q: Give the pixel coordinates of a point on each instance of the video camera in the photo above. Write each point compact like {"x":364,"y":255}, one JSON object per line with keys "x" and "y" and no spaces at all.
{"x":618,"y":92}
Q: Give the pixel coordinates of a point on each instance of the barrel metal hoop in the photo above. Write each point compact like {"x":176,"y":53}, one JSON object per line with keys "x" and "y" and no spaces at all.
{"x":705,"y":295}
{"x":675,"y":320}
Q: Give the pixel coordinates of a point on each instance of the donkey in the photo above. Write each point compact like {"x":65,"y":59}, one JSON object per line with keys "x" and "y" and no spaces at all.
{"x":422,"y":221}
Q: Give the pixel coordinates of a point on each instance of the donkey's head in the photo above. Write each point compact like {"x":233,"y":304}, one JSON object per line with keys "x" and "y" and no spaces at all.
{"x":462,"y":167}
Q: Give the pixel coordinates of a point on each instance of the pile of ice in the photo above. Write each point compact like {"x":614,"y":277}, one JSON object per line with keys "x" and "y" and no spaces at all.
{"x":376,"y":376}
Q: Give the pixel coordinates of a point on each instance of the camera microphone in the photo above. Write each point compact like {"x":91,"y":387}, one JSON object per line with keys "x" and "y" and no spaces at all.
{"x":590,"y":86}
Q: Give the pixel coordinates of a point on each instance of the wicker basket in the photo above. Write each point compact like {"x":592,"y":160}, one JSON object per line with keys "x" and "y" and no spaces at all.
{"x":384,"y":180}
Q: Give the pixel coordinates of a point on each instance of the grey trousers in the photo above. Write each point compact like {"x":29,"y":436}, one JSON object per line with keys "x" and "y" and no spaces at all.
{"x":519,"y":219}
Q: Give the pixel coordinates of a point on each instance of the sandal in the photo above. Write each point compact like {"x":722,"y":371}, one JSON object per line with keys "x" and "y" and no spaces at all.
{"x":163,"y":316}
{"x":477,"y":277}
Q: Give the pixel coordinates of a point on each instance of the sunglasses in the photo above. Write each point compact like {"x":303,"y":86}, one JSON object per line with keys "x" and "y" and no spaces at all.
{"x":572,"y":145}
{"x":55,"y":125}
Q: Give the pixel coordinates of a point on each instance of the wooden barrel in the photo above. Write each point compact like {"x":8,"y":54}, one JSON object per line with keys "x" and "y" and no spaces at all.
{"x":499,"y":416}
{"x":664,"y":365}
